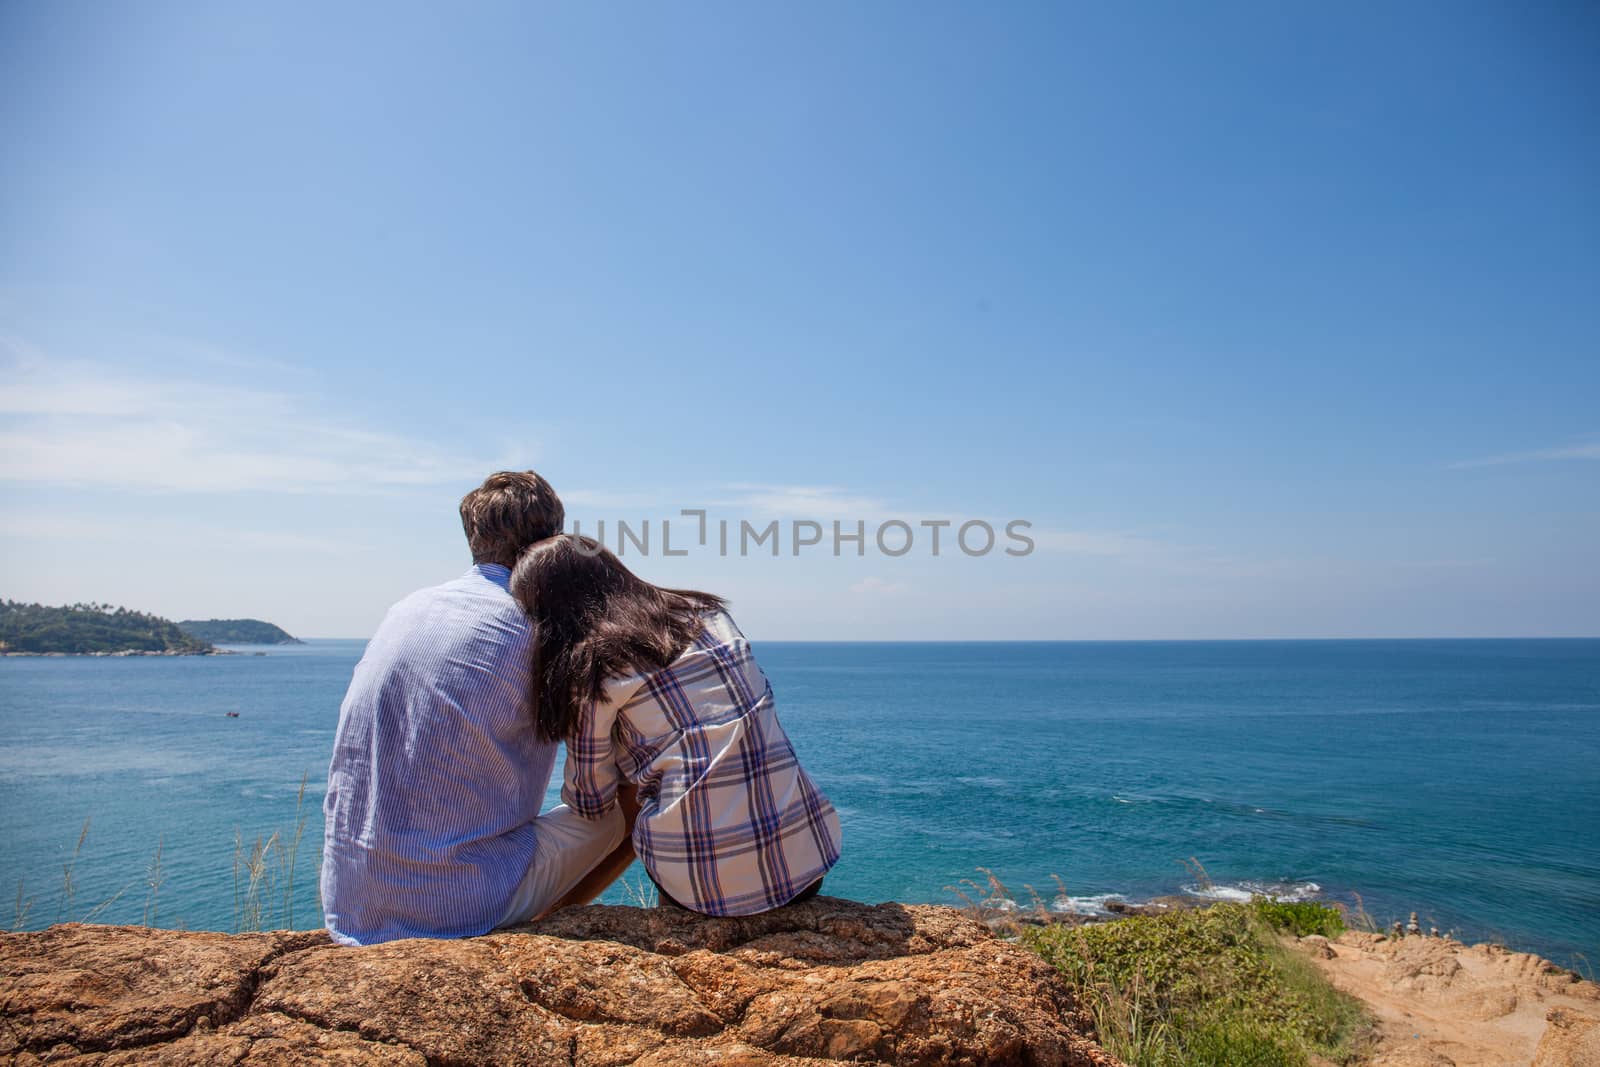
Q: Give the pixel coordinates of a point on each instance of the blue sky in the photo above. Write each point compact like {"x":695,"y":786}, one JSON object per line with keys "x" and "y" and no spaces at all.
{"x":1274,"y":320}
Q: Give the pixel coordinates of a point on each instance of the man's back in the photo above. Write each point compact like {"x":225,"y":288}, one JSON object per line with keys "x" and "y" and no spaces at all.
{"x":436,"y":774}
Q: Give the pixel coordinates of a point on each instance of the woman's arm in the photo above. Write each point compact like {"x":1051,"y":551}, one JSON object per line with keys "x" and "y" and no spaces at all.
{"x":589,"y":784}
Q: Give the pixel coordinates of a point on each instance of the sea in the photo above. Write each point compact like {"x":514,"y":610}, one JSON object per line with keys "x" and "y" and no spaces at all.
{"x":1457,"y":779}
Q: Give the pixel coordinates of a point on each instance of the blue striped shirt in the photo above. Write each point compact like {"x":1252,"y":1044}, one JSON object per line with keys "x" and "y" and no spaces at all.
{"x":436,"y":774}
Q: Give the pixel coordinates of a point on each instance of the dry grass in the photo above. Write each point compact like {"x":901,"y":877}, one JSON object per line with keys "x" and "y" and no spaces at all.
{"x":68,"y":893}
{"x":153,"y":879}
{"x":992,"y":903}
{"x":1197,"y":871}
{"x":1360,"y":919}
{"x":24,"y":908}
{"x":638,"y":891}
{"x":263,"y":880}
{"x":68,"y":886}
{"x":264,"y":875}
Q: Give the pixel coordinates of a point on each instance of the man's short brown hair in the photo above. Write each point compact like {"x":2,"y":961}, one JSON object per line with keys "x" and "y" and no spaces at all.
{"x":507,"y":513}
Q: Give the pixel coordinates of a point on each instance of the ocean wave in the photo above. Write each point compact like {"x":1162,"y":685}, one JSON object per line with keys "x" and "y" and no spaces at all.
{"x":1097,"y":905}
{"x":1246,"y":891}
{"x":1090,"y":905}
{"x":999,"y":904}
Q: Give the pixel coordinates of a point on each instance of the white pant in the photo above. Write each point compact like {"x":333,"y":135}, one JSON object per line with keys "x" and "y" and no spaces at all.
{"x":567,"y":847}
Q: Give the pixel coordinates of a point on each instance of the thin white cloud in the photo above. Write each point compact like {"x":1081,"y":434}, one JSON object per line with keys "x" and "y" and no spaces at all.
{"x":83,"y":424}
{"x":1587,"y":450}
{"x":1097,"y":548}
{"x":804,"y":501}
{"x":826,"y":502}
{"x":147,"y":531}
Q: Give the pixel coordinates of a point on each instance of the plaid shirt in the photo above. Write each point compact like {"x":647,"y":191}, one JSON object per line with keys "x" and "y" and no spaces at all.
{"x":729,"y":824}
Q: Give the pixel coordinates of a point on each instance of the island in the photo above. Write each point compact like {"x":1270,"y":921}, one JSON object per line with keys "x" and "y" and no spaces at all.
{"x":237,"y":632}
{"x":93,"y":630}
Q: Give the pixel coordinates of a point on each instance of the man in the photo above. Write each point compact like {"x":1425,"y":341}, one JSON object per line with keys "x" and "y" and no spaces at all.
{"x":433,"y":824}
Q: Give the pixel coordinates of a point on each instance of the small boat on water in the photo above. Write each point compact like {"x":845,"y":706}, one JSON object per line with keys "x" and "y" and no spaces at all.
{"x":233,"y":714}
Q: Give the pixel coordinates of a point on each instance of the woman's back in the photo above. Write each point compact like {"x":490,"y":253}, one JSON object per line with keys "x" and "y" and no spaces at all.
{"x":729,"y":822}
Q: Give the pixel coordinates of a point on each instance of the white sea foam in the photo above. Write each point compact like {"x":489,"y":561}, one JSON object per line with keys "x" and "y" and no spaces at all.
{"x":1219,"y":892}
{"x":1095,"y":904}
{"x":1090,"y":905}
{"x":1245,"y":891}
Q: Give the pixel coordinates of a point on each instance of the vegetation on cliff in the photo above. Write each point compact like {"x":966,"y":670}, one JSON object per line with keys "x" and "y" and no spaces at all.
{"x":1212,"y":987}
{"x":83,"y":628}
{"x":237,"y":632}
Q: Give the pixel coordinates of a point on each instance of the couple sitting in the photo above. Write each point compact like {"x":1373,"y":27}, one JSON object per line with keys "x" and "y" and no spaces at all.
{"x":447,"y":739}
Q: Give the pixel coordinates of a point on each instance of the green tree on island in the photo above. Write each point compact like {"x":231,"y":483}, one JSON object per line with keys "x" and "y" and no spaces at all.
{"x":85,"y":628}
{"x":237,"y":632}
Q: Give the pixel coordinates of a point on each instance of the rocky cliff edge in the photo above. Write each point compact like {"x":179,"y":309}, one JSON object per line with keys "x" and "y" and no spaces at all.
{"x":816,"y":983}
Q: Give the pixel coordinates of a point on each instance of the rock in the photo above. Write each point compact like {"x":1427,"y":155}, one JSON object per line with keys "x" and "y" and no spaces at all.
{"x":819,"y":982}
{"x":262,"y":1040}
{"x":1489,"y":1002}
{"x":1572,"y":1039}
{"x":1361,"y":939}
{"x":1438,"y":1000}
{"x":1421,"y":966}
{"x":1318,"y":946}
{"x":98,"y":988}
{"x":1178,"y":903}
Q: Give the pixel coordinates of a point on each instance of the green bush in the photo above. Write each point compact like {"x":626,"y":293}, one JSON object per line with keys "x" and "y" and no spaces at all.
{"x":1235,"y":1043}
{"x":1299,"y":917}
{"x":1202,"y":988}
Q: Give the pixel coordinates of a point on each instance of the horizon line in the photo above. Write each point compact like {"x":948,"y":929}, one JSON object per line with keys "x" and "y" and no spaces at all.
{"x":1109,"y":640}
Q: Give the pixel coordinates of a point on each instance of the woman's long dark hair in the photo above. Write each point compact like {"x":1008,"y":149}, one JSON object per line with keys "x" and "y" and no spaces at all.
{"x":594,"y":620}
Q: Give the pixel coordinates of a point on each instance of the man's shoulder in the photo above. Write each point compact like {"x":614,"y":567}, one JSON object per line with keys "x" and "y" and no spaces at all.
{"x":468,"y":608}
{"x":470,"y":589}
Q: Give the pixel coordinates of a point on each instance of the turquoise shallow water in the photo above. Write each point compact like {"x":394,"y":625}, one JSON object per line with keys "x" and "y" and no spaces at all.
{"x":1457,"y":778}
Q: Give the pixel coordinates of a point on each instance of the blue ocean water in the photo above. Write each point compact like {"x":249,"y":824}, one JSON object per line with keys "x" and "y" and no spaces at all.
{"x":1460,"y":779}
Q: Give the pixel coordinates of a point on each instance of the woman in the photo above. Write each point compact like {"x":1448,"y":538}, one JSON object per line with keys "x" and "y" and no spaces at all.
{"x":658,"y":688}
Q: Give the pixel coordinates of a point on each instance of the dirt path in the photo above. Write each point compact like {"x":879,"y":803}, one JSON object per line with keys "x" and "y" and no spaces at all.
{"x":1441,"y":1003}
